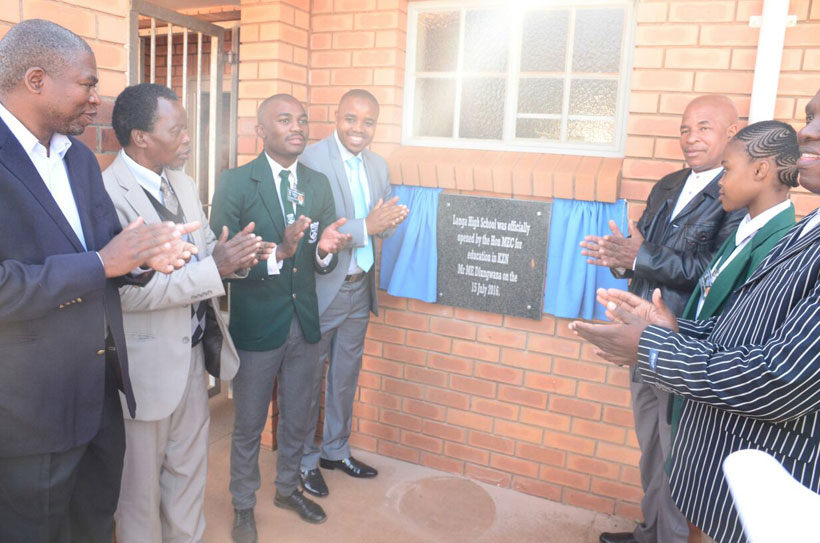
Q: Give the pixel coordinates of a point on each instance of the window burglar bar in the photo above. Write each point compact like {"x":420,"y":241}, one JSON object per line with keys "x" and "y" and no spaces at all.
{"x":205,"y":104}
{"x":204,"y":119}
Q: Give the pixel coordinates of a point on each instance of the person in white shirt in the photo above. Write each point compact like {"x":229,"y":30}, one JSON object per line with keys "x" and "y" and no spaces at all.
{"x":361,"y":192}
{"x":680,"y":229}
{"x":274,"y":311}
{"x":63,"y":253}
{"x":760,"y":168}
{"x":749,"y":375}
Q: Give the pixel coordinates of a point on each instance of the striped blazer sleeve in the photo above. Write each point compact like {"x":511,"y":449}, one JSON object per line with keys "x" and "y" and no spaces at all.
{"x":776,"y":381}
{"x":696,"y":329}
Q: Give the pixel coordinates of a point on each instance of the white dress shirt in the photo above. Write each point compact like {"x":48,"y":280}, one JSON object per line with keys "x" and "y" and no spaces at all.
{"x":695,"y":183}
{"x":148,"y":179}
{"x":50,"y":164}
{"x":274,"y":265}
{"x":746,"y":230}
{"x":354,"y":268}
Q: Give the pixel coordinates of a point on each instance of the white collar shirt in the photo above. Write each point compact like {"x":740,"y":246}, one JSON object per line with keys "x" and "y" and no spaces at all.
{"x":695,"y":183}
{"x":147,"y":179}
{"x":275,"y":266}
{"x":810,"y":225}
{"x":276,"y":170}
{"x":50,"y":164}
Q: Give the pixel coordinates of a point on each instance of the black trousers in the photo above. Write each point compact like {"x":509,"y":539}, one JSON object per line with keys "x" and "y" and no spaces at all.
{"x":69,"y":496}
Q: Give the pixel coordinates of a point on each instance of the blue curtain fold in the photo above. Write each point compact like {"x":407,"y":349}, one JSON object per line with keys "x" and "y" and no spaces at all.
{"x":409,"y":261}
{"x":571,"y":282}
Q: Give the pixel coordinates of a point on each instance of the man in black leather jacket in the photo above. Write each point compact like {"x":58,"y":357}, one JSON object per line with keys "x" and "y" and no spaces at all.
{"x":680,"y":229}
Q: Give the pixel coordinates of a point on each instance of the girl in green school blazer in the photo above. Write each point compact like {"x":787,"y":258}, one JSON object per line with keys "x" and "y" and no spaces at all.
{"x":760,"y":167}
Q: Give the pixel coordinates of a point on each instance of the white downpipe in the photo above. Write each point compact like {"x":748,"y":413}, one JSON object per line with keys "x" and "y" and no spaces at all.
{"x":769,"y":54}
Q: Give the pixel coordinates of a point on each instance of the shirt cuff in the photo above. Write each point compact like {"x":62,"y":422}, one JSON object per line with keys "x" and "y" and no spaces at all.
{"x":274,"y":266}
{"x":136,"y":272}
{"x":323,"y":262}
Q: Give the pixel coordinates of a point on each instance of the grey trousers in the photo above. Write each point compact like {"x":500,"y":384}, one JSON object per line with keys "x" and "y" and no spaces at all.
{"x":162,"y":497}
{"x":297,"y":367}
{"x":663,"y":522}
{"x":344,"y":325}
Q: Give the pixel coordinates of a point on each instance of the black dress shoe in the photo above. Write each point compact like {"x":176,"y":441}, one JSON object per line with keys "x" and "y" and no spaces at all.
{"x":351,"y":466}
{"x":620,"y":537}
{"x":244,"y":526}
{"x":309,"y":510}
{"x":313,"y":482}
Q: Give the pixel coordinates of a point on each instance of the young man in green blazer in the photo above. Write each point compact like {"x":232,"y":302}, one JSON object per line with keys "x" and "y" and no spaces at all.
{"x":274,"y":311}
{"x":759,"y":168}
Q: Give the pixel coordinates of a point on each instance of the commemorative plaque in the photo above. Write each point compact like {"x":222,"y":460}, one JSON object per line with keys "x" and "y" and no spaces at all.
{"x":492,"y":254}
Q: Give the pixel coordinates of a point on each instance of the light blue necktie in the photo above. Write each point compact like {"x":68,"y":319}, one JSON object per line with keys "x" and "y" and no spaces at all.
{"x":364,"y":255}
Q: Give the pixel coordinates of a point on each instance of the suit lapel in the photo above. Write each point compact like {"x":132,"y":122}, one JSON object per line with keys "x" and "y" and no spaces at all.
{"x":262,"y":174}
{"x":305,"y":185}
{"x":81,"y":196}
{"x":710,"y":191}
{"x":133,"y":191}
{"x":189,"y":202}
{"x":790,"y":244}
{"x":341,"y":175}
{"x":15,"y":159}
{"x":722,"y":286}
{"x":371,"y":185}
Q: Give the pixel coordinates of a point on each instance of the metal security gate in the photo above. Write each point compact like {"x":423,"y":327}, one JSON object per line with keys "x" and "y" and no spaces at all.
{"x":188,"y":55}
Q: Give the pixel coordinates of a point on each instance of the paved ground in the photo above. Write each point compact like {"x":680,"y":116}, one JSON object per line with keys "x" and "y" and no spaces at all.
{"x":406,"y":503}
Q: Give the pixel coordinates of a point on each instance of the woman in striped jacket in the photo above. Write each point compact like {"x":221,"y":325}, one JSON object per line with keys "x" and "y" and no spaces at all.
{"x":751,"y":375}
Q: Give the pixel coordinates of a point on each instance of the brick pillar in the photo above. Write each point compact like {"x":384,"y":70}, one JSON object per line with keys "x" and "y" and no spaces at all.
{"x":358,"y":43}
{"x":273,"y":58}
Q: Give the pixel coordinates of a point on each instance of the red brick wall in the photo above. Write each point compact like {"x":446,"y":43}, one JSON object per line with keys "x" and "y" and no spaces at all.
{"x":506,"y":400}
{"x":358,"y":43}
{"x":511,"y":401}
{"x":273,"y":51}
{"x":686,"y":48}
{"x":103,"y":24}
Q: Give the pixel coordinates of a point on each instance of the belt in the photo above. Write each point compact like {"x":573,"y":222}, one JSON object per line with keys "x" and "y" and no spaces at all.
{"x":355,"y":277}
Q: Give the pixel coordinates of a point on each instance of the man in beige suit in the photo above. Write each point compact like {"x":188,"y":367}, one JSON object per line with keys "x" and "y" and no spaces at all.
{"x":173,"y":327}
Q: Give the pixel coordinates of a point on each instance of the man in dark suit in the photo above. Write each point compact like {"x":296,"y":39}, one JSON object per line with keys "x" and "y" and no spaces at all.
{"x":347,"y":295}
{"x":679,"y":231}
{"x":274,"y":311}
{"x":62,"y":349}
{"x":750,"y":375}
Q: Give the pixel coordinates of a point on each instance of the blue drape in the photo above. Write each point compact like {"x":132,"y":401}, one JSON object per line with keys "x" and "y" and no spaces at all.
{"x":409,"y":262}
{"x":571,"y":282}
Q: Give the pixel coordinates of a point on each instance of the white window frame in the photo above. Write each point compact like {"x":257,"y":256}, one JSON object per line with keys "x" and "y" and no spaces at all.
{"x":509,"y":142}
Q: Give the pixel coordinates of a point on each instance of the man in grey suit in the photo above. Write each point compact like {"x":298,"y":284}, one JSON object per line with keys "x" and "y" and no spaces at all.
{"x":361,"y":191}
{"x":172,"y":325}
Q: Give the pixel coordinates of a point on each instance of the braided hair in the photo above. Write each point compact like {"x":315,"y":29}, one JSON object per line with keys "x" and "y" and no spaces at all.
{"x":773,"y":139}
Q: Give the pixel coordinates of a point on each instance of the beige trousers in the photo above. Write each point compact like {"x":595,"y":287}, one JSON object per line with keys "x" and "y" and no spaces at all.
{"x":163,"y":478}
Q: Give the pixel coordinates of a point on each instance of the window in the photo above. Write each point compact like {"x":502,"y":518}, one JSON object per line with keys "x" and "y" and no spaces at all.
{"x":537,"y":76}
